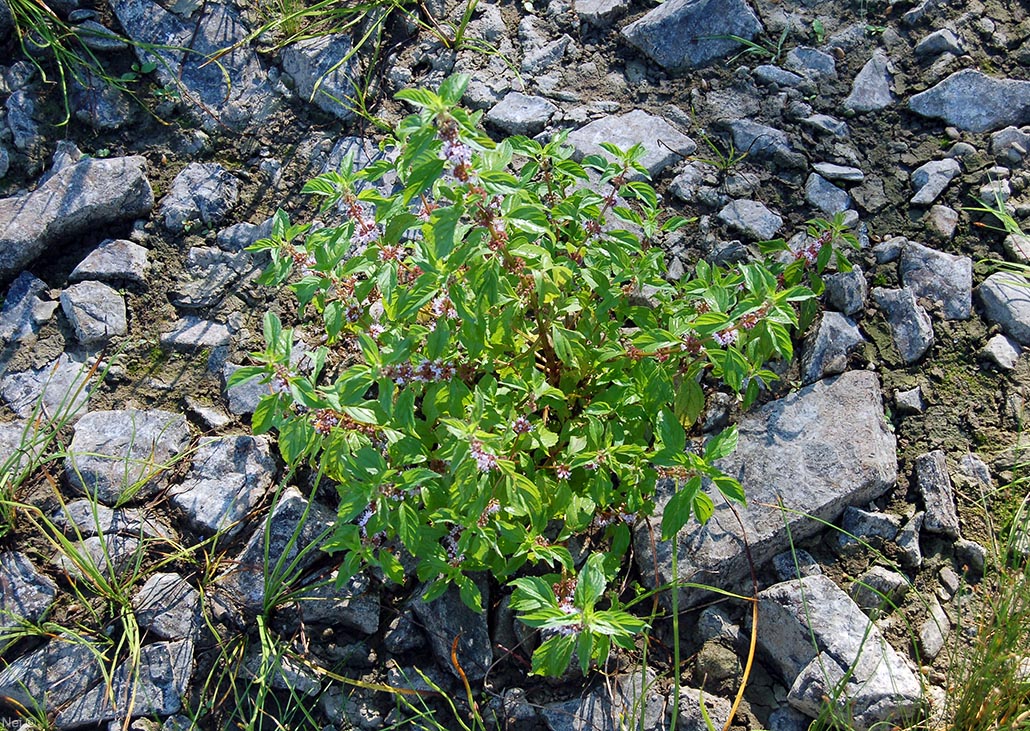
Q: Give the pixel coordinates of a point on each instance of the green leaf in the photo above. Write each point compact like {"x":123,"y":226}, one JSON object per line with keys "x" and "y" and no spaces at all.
{"x":263,"y":418}
{"x":453,"y":88}
{"x":295,"y":437}
{"x":670,"y":431}
{"x":531,"y":593}
{"x":690,"y":401}
{"x":553,"y":656}
{"x":591,"y":582}
{"x":722,"y":444}
{"x":678,"y":510}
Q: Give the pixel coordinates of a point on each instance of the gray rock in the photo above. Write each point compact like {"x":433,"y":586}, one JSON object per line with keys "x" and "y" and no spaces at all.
{"x":971,"y":555}
{"x":538,"y":52}
{"x":931,"y":474}
{"x":6,"y":22}
{"x":116,"y":454}
{"x":720,"y":667}
{"x":98,"y":38}
{"x":713,"y":623}
{"x":89,"y":195}
{"x":600,"y":13}
{"x":85,"y":518}
{"x":52,"y":676}
{"x":5,"y":161}
{"x":975,"y":102}
{"x":1018,"y":247}
{"x":691,"y":717}
{"x":21,"y":444}
{"x":826,"y":124}
{"x":107,"y":555}
{"x":21,"y":120}
{"x":826,"y":349}
{"x":811,"y":62}
{"x":234,"y":91}
{"x":284,"y":672}
{"x":153,"y":687}
{"x":212,"y":274}
{"x":634,"y":695}
{"x":403,"y":635}
{"x":1009,"y":145}
{"x":521,"y":114}
{"x":818,"y":637}
{"x":941,"y":221}
{"x":114,"y":260}
{"x":940,"y":277}
{"x":25,"y":594}
{"x":860,"y":527}
{"x":213,"y":417}
{"x":169,"y":607}
{"x":907,"y":540}
{"x":786,"y":718}
{"x":879,"y":587}
{"x":227,"y":480}
{"x":241,"y":235}
{"x":842,"y":173}
{"x":322,"y":68}
{"x":911,"y":329}
{"x":1006,"y":300}
{"x":291,"y":533}
{"x":824,"y":195}
{"x":910,"y":402}
{"x":846,"y":292}
{"x":1002,"y":351}
{"x":447,"y":618}
{"x":889,"y":250}
{"x":664,"y":144}
{"x":26,"y":309}
{"x":191,"y":333}
{"x":938,"y":42}
{"x":818,"y":450}
{"x":354,"y":604}
{"x":762,"y":142}
{"x":687,"y":185}
{"x":795,"y":564}
{"x":100,"y":105}
{"x":59,"y":390}
{"x":203,"y":193}
{"x":871,"y":90}
{"x":96,"y":312}
{"x":930,"y":180}
{"x":769,"y":74}
{"x":933,"y":632}
{"x":870,"y":195}
{"x":751,"y":218}
{"x":683,"y":34}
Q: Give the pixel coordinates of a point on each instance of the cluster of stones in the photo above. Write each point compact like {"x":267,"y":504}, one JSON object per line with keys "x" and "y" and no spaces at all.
{"x":823,"y":454}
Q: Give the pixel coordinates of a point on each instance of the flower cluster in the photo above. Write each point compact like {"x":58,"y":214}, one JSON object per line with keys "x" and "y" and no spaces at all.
{"x":725,"y":337}
{"x":521,"y":425}
{"x":565,"y":592}
{"x":484,"y":460}
{"x":450,"y":544}
{"x":427,"y":371}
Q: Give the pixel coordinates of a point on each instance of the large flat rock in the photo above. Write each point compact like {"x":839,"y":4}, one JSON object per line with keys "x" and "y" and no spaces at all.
{"x":815,"y":451}
{"x":973,"y":101}
{"x":81,"y":198}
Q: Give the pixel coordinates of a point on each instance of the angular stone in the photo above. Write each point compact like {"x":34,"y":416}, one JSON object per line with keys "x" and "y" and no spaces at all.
{"x":752,"y":219}
{"x":683,"y":34}
{"x":521,"y":114}
{"x":52,"y":676}
{"x":843,"y":173}
{"x":811,"y":62}
{"x":975,"y":102}
{"x":114,"y":260}
{"x":663,"y":144}
{"x":939,"y":276}
{"x":938,"y":42}
{"x":85,"y":518}
{"x":818,"y":450}
{"x":846,"y":291}
{"x":203,"y":193}
{"x":100,"y":105}
{"x":243,"y":397}
{"x":227,"y":480}
{"x":879,"y":587}
{"x":154,"y":687}
{"x":933,"y":632}
{"x":911,"y":329}
{"x":96,"y":312}
{"x":762,"y":142}
{"x":234,"y":91}
{"x":1002,"y":351}
{"x":871,"y":90}
{"x":212,"y":274}
{"x":600,"y":13}
{"x":26,"y":308}
{"x":910,"y":402}
{"x":816,"y":637}
{"x":447,"y":618}
{"x":191,"y":333}
{"x":107,"y":555}
{"x":826,"y":349}
{"x":169,"y":607}
{"x":88,"y":196}
{"x":941,"y":221}
{"x":938,"y":497}
{"x":636,"y":696}
{"x":1006,"y":300}
{"x":907,"y":540}
{"x":115,"y":454}
{"x":25,"y":594}
{"x":322,"y":71}
{"x":827,"y":124}
{"x":291,"y":533}
{"x":930,"y":180}
{"x":354,"y":604}
{"x":241,"y":235}
{"x":60,"y":390}
{"x":795,"y":564}
{"x":769,"y":74}
{"x":21,"y":443}
{"x":1010,"y":145}
{"x":21,"y":120}
{"x":1018,"y":247}
{"x":824,"y":195}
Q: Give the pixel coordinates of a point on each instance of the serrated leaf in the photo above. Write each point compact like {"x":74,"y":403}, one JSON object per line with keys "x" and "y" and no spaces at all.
{"x":678,"y":510}
{"x":722,"y":444}
{"x":553,"y":656}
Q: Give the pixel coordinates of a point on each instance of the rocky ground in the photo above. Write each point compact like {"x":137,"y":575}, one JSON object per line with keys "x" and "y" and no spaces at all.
{"x":122,"y":245}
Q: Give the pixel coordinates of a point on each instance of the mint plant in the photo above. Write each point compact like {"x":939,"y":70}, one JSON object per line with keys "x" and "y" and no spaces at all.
{"x":504,"y":364}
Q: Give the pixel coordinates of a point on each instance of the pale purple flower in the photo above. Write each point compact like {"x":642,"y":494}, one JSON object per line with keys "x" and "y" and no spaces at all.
{"x":375,"y":330}
{"x":484,"y":460}
{"x":725,"y":337}
{"x":562,"y":472}
{"x":457,"y":153}
{"x":521,"y":425}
